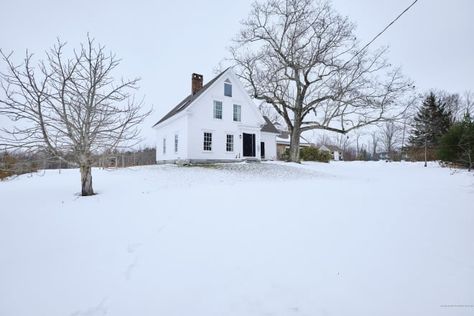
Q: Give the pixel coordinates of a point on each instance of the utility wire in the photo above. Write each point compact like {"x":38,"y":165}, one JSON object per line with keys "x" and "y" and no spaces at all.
{"x":383,"y":31}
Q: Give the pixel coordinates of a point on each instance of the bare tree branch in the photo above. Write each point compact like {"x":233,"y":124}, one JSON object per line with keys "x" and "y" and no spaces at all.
{"x":70,"y":106}
{"x":302,"y":57}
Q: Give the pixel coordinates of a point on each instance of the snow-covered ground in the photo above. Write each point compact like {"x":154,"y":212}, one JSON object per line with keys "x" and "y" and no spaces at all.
{"x":245,"y":239}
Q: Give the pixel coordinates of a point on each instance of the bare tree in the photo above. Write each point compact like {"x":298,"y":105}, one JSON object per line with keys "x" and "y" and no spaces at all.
{"x":468,"y":102}
{"x":390,"y":137}
{"x":268,"y":111}
{"x":358,"y":144}
{"x":374,"y":143}
{"x":343,"y":142}
{"x":457,"y":105}
{"x":322,"y":139}
{"x":302,"y":57}
{"x":71,"y":107}
{"x":452,"y":103}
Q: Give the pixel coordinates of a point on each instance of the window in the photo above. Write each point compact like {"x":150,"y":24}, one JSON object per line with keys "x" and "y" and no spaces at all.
{"x":176,"y":143}
{"x":164,"y":146}
{"x":227,"y":88}
{"x":218,"y":110}
{"x":237,"y":113}
{"x":207,"y":145}
{"x":229,"y":145}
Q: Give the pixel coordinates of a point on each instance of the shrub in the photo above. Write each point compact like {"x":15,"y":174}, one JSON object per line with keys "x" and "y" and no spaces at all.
{"x":7,"y":164}
{"x":324,"y":156}
{"x":457,"y":145}
{"x":309,"y":154}
{"x":286,"y":155}
{"x":313,"y":154}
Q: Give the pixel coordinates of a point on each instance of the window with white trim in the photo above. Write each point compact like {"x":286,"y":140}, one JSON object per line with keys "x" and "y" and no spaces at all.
{"x":218,"y":110}
{"x":229,"y":144}
{"x":176,"y":143}
{"x":207,"y":144}
{"x":164,"y":146}
{"x":237,"y":113}
{"x":227,"y":88}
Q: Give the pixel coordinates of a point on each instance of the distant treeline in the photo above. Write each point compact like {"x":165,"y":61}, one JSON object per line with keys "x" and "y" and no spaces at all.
{"x":20,"y":163}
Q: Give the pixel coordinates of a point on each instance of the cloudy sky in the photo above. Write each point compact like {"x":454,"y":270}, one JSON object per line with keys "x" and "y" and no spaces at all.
{"x":163,"y":42}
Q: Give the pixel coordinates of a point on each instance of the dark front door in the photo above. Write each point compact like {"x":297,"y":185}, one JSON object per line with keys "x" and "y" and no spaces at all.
{"x":262,"y":150}
{"x":249,"y":145}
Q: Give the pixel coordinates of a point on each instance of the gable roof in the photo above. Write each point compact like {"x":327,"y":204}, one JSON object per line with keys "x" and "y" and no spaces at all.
{"x":284,"y":139}
{"x":330,"y":148}
{"x":189,"y":99}
{"x":269,"y":127}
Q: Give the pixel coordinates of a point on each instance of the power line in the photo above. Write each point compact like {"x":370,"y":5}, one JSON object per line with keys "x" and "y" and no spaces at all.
{"x":383,"y":31}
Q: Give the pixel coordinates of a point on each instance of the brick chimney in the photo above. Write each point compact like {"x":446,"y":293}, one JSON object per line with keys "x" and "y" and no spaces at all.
{"x":196,"y":83}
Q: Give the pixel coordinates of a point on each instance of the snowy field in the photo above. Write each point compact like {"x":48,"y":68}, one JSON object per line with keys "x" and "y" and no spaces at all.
{"x":244,"y":239}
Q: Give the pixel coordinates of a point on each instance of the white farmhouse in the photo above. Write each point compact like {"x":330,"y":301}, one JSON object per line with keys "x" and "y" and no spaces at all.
{"x":217,"y":122}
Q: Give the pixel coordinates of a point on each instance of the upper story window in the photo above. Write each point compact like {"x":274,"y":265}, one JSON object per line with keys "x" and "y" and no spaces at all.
{"x":227,"y":88}
{"x":207,"y":143}
{"x":164,"y":146}
{"x":237,"y":113}
{"x":176,"y":143}
{"x":218,"y":110}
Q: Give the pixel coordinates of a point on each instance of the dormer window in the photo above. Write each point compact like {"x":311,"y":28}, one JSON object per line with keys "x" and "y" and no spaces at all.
{"x":227,"y":88}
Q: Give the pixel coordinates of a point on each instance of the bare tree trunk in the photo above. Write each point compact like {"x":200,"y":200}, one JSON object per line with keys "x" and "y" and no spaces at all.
{"x":71,"y":107}
{"x":403,"y":139}
{"x":470,"y":160}
{"x":295,"y":143}
{"x":426,"y":149}
{"x":86,"y":180}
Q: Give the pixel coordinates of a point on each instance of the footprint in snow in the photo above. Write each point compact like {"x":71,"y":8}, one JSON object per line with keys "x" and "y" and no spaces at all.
{"x":130,"y":268}
{"x":133,"y":247}
{"x":99,"y":309}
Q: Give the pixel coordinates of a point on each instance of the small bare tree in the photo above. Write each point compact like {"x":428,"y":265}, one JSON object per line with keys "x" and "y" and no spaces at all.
{"x":302,"y":57}
{"x":358,"y":144}
{"x":343,"y":142}
{"x":468,"y":102}
{"x":390,"y":137}
{"x":374,"y":143}
{"x":72,"y":107}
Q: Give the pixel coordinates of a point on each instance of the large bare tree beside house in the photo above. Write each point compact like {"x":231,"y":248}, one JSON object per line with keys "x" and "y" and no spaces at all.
{"x":303,"y":58}
{"x":70,"y":106}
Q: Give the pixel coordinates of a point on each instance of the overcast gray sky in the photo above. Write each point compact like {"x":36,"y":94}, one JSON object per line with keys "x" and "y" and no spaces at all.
{"x":163,"y":42}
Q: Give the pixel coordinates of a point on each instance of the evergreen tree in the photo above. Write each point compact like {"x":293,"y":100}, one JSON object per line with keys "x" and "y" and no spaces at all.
{"x":457,"y":145}
{"x":432,"y":121}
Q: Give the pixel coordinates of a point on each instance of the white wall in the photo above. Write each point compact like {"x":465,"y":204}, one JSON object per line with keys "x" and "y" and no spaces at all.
{"x":198,"y":118}
{"x":270,"y":145}
{"x":174,"y":126}
{"x":201,"y":120}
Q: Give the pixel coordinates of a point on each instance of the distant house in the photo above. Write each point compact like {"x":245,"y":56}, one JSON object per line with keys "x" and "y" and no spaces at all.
{"x":383,"y":155}
{"x":217,"y":122}
{"x":283,"y":143}
{"x":334,"y":151}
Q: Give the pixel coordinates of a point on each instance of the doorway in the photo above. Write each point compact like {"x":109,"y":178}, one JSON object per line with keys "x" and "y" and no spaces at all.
{"x":248,"y":141}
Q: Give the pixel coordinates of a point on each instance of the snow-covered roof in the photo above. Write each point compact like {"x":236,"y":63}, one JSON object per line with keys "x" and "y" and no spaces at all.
{"x":269,"y":127}
{"x":284,"y":139}
{"x":189,"y":99}
{"x":329,"y":148}
{"x":324,"y":148}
